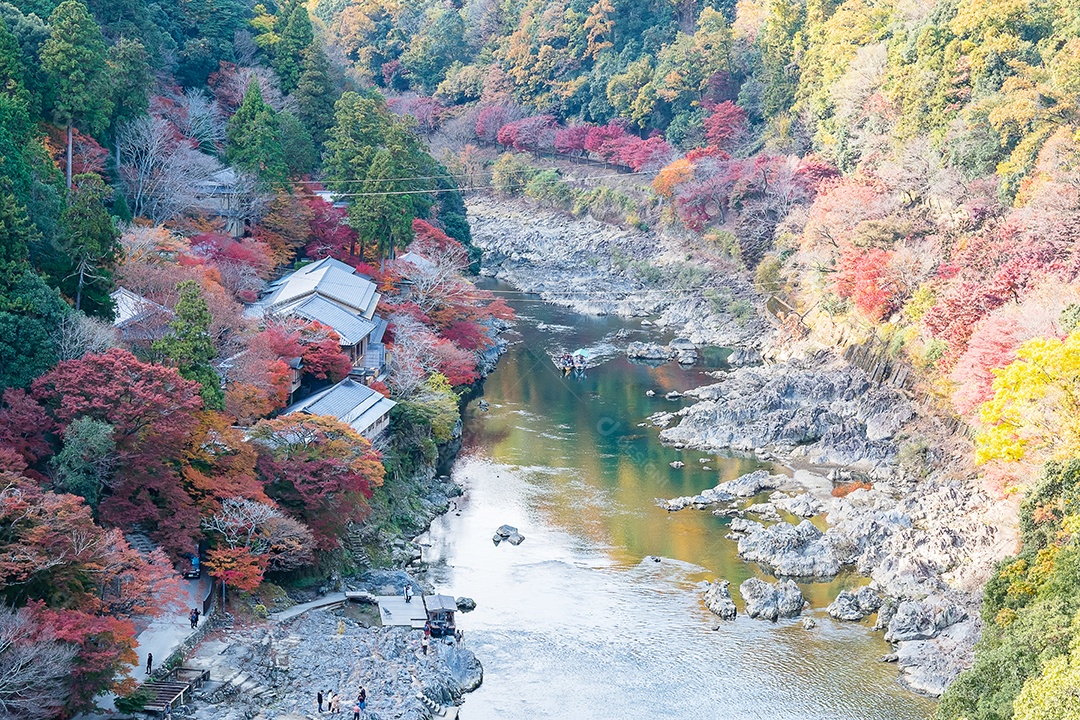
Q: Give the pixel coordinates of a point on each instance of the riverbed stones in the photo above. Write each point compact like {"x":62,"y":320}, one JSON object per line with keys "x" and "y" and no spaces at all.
{"x":717,"y":598}
{"x":745,"y":486}
{"x":788,"y":550}
{"x":804,"y":505}
{"x":830,"y":411}
{"x":768,"y":601}
{"x":854,"y":604}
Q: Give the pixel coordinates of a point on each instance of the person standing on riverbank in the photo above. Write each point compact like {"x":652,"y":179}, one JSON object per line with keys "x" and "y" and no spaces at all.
{"x":361,"y":698}
{"x":149,"y":663}
{"x":319,"y":700}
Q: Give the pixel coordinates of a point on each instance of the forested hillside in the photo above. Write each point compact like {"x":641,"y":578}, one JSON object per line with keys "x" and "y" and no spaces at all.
{"x":159,"y":163}
{"x":905,"y":170}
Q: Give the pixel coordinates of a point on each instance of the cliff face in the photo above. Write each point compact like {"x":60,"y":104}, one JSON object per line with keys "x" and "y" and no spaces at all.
{"x":601,"y":269}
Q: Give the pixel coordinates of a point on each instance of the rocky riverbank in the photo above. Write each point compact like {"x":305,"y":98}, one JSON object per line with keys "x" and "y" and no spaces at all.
{"x":912,"y":520}
{"x":917,"y":522}
{"x":600,"y":269}
{"x":275,"y":670}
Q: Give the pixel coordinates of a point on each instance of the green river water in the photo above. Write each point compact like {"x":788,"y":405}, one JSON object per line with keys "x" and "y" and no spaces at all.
{"x":580,"y":621}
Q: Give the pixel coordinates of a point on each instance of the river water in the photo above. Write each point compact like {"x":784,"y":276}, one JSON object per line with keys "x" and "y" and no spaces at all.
{"x":580,"y":621}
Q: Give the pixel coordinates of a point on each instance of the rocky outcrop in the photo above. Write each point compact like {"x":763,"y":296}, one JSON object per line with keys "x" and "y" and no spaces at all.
{"x":744,"y":486}
{"x":804,"y":505}
{"x":788,"y":550}
{"x":681,"y":350}
{"x":825,"y":411}
{"x":596,"y":268}
{"x":855,"y":604}
{"x":717,"y":598}
{"x":324,"y":650}
{"x":764,"y":600}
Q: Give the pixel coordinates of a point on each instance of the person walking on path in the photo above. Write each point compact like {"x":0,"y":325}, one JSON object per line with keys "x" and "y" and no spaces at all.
{"x":361,"y":698}
{"x":149,"y":663}
{"x":424,"y":644}
{"x":356,"y":712}
{"x":194,"y":617}
{"x":408,"y":593}
{"x":319,"y":700}
{"x":335,"y":704}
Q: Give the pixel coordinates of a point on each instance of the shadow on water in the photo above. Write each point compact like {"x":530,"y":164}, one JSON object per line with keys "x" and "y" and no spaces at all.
{"x":579,"y":620}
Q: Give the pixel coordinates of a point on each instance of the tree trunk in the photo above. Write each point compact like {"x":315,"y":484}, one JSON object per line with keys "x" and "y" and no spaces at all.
{"x":69,"y":156}
{"x":82,"y":281}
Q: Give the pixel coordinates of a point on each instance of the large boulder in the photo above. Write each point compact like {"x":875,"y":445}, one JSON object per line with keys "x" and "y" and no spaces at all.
{"x":790,"y":550}
{"x":769,"y":601}
{"x":648,"y":351}
{"x":913,"y":620}
{"x":854,"y":605}
{"x":751,"y":484}
{"x":804,"y":505}
{"x":718,"y":599}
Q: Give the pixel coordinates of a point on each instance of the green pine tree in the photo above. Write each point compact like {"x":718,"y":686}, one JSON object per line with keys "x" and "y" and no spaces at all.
{"x":91,"y":242}
{"x":252,"y":138}
{"x":17,"y":233}
{"x":75,"y":57}
{"x":380,"y":215}
{"x":315,"y":95}
{"x":296,"y":142}
{"x":131,"y":79}
{"x":189,"y":344}
{"x":295,"y":37}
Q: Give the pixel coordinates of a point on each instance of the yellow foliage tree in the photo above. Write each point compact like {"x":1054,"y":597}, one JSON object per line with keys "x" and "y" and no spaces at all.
{"x":1035,"y":410}
{"x":1051,"y":695}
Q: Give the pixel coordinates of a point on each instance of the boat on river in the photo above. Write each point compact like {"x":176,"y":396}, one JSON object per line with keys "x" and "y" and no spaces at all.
{"x":577,"y":361}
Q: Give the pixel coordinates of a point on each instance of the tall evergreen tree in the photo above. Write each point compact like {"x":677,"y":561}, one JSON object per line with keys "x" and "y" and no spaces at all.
{"x":16,"y":235}
{"x":131,"y":79}
{"x":381,"y":215}
{"x":315,"y":95}
{"x":295,"y":36}
{"x":75,"y":56}
{"x":90,"y":240}
{"x":252,"y":136}
{"x":29,"y":309}
{"x":189,"y":345}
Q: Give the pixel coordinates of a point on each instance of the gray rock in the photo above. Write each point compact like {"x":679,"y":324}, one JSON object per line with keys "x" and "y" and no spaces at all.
{"x":717,"y":598}
{"x":913,"y":621}
{"x":771,"y":601}
{"x":751,"y":484}
{"x":790,"y":550}
{"x":505,"y":531}
{"x":765,"y":511}
{"x":854,"y":605}
{"x":648,"y":351}
{"x":804,"y":505}
{"x":928,"y":666}
{"x":678,"y":464}
{"x":516,"y":539}
{"x":809,"y":623}
{"x":827,"y":408}
{"x":465,"y":604}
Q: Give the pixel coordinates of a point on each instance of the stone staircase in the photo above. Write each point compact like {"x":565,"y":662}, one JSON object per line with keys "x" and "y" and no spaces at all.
{"x":435,"y":708}
{"x":354,"y":541}
{"x":141,"y":542}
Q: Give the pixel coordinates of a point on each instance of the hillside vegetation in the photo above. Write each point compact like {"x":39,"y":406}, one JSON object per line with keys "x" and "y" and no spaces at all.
{"x":905,"y":170}
{"x":175,"y":151}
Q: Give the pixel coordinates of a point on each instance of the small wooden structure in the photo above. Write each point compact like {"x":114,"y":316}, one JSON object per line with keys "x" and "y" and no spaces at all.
{"x":165,"y":692}
{"x":395,"y":612}
{"x":440,"y":613}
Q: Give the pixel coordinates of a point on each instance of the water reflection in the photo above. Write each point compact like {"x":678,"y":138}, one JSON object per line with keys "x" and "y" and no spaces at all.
{"x":579,"y":621}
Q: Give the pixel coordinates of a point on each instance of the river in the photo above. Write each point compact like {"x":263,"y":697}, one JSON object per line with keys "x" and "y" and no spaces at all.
{"x":581,"y":620}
